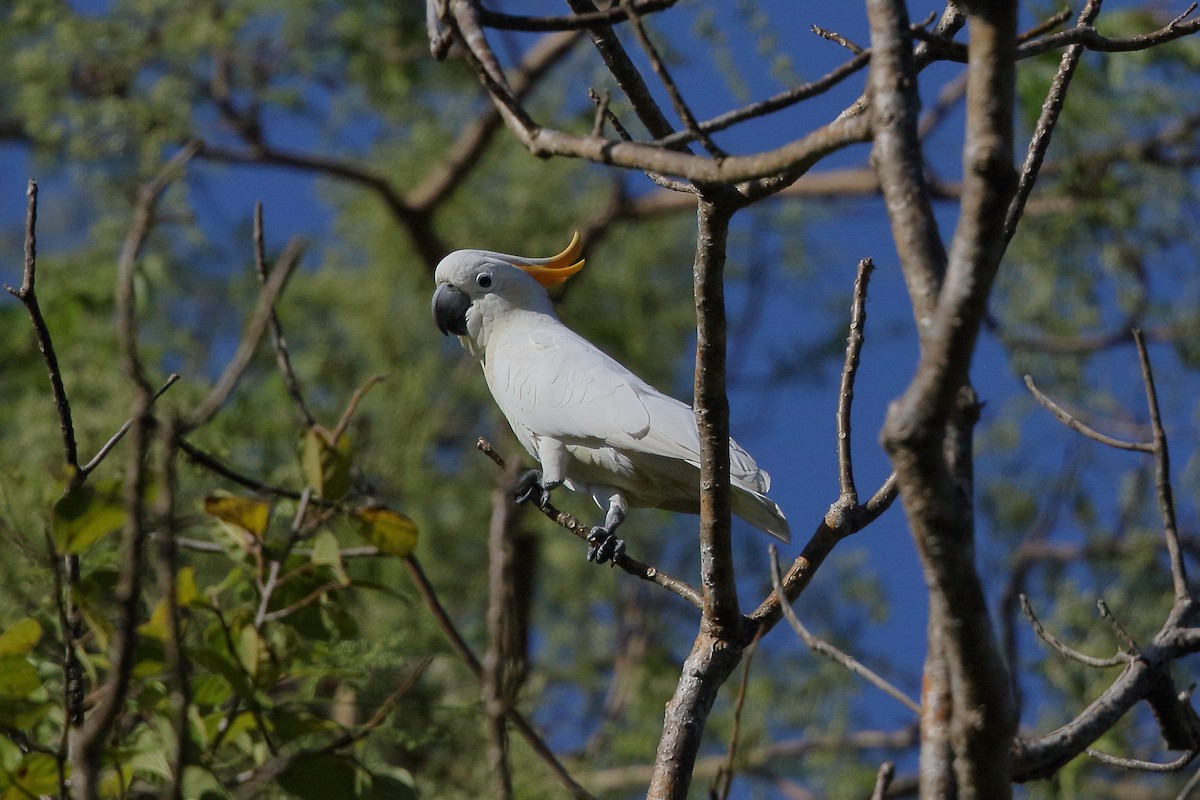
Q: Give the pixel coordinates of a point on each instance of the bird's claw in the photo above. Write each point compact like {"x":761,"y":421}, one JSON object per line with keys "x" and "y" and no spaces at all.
{"x":530,"y":487}
{"x":605,"y":546}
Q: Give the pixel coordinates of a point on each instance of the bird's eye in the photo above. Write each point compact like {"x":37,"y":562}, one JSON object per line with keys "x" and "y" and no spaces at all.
{"x":483,"y":280}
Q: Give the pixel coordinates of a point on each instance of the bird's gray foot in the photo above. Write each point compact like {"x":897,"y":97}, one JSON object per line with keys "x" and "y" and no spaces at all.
{"x":531,"y":487}
{"x":605,"y":546}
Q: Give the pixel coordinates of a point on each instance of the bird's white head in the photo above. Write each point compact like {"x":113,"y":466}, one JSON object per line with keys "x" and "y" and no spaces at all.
{"x":475,"y":286}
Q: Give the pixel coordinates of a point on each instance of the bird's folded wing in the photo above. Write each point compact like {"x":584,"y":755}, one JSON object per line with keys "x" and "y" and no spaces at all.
{"x":559,"y":385}
{"x":555,"y":383}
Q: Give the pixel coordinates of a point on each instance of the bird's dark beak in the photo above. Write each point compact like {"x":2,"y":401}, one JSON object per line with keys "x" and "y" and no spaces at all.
{"x":450,"y":310}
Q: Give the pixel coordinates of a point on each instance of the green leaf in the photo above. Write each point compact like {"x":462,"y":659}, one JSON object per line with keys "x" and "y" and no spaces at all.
{"x":319,"y":776}
{"x":185,"y":587}
{"x":249,"y":648}
{"x":201,"y":784}
{"x":325,"y":466}
{"x":247,"y":514}
{"x":390,"y":531}
{"x":327,"y":552}
{"x":17,"y":677}
{"x":37,"y":775}
{"x":86,"y":514}
{"x":210,"y":690}
{"x":20,"y":637}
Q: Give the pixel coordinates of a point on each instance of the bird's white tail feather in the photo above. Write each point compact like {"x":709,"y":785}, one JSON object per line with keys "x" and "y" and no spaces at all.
{"x":761,"y":512}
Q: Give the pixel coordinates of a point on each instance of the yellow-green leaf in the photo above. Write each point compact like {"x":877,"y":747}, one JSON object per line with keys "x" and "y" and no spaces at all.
{"x":86,"y":514}
{"x":327,"y":552}
{"x":246,"y":513}
{"x":325,"y":466}
{"x":390,"y":531}
{"x":249,"y":647}
{"x":17,"y":677}
{"x":20,"y":638}
{"x":185,"y":587}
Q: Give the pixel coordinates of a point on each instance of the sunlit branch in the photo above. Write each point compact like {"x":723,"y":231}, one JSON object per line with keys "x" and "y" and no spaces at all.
{"x":581,"y":530}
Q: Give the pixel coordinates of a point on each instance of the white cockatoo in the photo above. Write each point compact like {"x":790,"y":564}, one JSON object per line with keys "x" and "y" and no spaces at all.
{"x":592,"y":424}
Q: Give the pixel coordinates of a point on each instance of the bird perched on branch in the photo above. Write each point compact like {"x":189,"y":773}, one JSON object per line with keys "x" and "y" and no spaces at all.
{"x":592,"y":424}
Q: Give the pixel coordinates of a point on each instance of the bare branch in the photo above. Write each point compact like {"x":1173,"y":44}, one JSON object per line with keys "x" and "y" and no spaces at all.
{"x":712,"y":416}
{"x":1084,"y":35}
{"x":214,"y":465}
{"x":276,"y":565}
{"x":664,"y":75}
{"x":837,"y":38}
{"x":256,"y":326}
{"x":723,"y":781}
{"x":1044,"y":129}
{"x":1143,"y":766}
{"x":1064,"y":649}
{"x":579,"y":21}
{"x":816,"y":644}
{"x":887,"y":771}
{"x":27,"y":294}
{"x":1162,"y":477}
{"x":91,"y":465}
{"x":352,"y":407}
{"x":463,"y":650}
{"x":854,"y":344}
{"x":290,"y":381}
{"x":779,"y":101}
{"x":896,"y":157}
{"x":498,"y":658}
{"x":1074,"y":424}
{"x":581,"y":530}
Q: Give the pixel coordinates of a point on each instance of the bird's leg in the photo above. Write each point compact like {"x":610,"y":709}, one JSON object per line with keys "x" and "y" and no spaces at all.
{"x":605,"y":546}
{"x":530,"y":486}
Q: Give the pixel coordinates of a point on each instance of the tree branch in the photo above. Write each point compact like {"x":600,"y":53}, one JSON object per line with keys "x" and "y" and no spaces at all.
{"x":27,"y":294}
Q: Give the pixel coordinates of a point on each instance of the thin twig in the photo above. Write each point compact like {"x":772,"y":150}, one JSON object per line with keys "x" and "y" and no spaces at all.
{"x":581,"y":530}
{"x":250,"y":699}
{"x":256,"y":326}
{"x":380,"y":716}
{"x":829,"y":651}
{"x":1143,"y":766}
{"x":1050,"y":23}
{"x":306,"y":601}
{"x":1074,"y":424}
{"x":497,"y":659}
{"x":459,"y":645}
{"x":1186,"y":792}
{"x":1051,"y":109}
{"x":290,"y":381}
{"x":1162,"y":476}
{"x":664,"y":75}
{"x":277,"y":563}
{"x":837,"y":38}
{"x":883,"y":779}
{"x":723,"y":780}
{"x":774,"y":103}
{"x":27,"y":294}
{"x":854,"y":345}
{"x":352,"y":407}
{"x":579,"y":21}
{"x":214,"y":465}
{"x":1065,"y":649}
{"x":1118,"y":629}
{"x":91,"y":465}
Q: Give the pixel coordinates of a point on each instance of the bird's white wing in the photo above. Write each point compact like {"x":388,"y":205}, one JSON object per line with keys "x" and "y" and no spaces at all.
{"x":555,"y":383}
